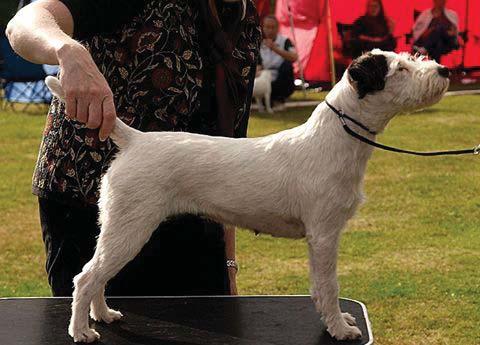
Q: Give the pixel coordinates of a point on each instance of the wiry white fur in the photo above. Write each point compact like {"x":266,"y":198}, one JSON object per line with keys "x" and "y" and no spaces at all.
{"x":262,"y":89}
{"x":301,"y":182}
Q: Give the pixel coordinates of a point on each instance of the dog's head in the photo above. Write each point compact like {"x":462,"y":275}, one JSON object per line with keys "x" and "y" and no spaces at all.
{"x":402,"y":81}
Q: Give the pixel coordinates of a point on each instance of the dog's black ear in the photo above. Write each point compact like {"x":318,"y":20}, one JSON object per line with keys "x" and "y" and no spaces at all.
{"x":369,"y":72}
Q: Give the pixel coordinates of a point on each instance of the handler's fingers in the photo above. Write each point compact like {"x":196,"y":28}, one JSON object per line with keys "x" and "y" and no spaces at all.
{"x":95,"y":110}
{"x":71,"y":106}
{"x":82,"y":110}
{"x":109,"y":116}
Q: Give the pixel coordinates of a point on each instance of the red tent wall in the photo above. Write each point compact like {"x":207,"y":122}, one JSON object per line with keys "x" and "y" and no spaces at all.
{"x":472,"y":48}
{"x":318,"y":66}
{"x":263,"y":8}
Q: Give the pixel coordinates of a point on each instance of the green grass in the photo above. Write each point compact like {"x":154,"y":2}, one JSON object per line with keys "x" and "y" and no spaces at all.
{"x":411,"y":253}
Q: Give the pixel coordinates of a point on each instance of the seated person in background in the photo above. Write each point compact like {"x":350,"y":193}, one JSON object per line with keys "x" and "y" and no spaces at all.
{"x":435,"y":31}
{"x":278,"y":54}
{"x":372,"y":30}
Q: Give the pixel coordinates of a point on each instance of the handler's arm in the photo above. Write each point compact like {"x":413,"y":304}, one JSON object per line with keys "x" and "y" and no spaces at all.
{"x":40,"y":30}
{"x":40,"y":33}
{"x":291,"y":56}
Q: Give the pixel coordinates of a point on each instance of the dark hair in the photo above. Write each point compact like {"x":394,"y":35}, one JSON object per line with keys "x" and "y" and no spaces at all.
{"x":381,"y":14}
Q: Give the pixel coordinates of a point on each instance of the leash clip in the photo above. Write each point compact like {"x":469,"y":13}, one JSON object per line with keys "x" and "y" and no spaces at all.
{"x":341,"y":116}
{"x":342,"y":120}
{"x":476,"y":150}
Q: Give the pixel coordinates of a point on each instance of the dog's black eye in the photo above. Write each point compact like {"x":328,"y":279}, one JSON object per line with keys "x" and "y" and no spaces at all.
{"x":402,"y":68}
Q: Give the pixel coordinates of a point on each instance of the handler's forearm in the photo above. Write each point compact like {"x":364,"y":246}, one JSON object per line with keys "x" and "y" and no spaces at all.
{"x":41,"y":30}
{"x":229,"y":238}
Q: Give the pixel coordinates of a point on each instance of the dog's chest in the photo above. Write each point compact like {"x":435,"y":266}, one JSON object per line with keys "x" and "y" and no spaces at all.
{"x":282,"y":227}
{"x":273,"y":224}
{"x":261,"y":85}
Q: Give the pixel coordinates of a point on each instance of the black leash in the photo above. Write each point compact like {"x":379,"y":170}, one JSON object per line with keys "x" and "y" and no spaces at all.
{"x":343,"y":117}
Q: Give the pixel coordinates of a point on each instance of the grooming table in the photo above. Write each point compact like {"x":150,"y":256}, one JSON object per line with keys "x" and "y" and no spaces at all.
{"x":215,"y":320}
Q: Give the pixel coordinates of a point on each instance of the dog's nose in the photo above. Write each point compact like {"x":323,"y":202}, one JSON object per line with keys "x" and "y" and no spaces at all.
{"x":444,"y":71}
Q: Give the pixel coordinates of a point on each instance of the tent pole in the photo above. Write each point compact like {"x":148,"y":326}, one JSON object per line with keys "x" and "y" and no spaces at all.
{"x":300,"y":65}
{"x":330,"y":44}
{"x":464,"y":50}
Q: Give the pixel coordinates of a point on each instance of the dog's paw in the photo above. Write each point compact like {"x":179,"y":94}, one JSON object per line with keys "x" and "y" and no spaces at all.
{"x":349,"y":319}
{"x":87,"y":335}
{"x":108,"y":316}
{"x":345,"y":332}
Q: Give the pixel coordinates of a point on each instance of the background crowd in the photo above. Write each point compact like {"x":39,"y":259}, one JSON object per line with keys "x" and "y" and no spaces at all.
{"x":434,"y":32}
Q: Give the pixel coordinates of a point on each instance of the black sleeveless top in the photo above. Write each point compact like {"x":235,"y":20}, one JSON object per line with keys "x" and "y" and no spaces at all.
{"x":161,"y":78}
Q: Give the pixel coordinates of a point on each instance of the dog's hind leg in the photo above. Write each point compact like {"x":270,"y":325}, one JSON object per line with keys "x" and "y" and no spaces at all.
{"x":324,"y":289}
{"x":99,"y":310}
{"x":124,"y":233}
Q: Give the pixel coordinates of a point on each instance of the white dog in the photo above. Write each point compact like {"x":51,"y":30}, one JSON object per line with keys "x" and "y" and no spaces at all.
{"x":262,"y":89}
{"x":301,"y":182}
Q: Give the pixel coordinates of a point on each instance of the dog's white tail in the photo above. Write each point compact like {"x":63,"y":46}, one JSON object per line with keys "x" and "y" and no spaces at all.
{"x":121,"y":133}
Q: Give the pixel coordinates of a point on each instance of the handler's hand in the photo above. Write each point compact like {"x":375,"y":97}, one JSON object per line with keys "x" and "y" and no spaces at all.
{"x":268,"y":42}
{"x":232,"y":276}
{"x":88,"y":98}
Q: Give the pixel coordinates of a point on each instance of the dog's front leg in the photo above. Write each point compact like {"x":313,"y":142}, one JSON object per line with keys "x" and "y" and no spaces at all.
{"x":324,"y":286}
{"x":268,"y":102}
{"x":259,"y":104}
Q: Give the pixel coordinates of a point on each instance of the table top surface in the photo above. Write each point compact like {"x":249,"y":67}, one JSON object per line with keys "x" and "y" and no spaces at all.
{"x":187,"y":320}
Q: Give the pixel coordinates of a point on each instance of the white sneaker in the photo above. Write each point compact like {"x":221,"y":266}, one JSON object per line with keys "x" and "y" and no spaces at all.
{"x":466,"y":81}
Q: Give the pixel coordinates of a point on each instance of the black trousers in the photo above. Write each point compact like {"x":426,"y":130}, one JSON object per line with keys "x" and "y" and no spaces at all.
{"x":438,"y":43}
{"x":284,"y":85}
{"x":185,"y":255}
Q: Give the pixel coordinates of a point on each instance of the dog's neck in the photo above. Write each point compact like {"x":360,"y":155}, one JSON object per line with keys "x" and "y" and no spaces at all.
{"x":343,"y":150}
{"x":344,"y":97}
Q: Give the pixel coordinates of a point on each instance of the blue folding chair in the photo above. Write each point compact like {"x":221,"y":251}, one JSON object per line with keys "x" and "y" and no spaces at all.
{"x":22,"y":81}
